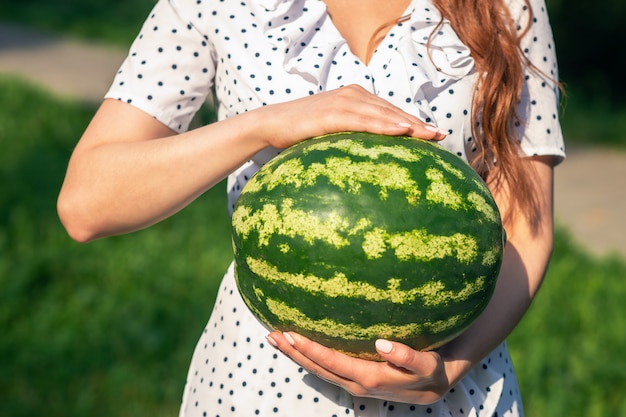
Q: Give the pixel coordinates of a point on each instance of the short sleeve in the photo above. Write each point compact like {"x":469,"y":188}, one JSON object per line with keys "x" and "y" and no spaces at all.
{"x":540,"y":133}
{"x":170,"y":67}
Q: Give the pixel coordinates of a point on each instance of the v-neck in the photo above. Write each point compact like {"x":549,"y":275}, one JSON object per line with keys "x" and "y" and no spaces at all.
{"x":371,"y":48}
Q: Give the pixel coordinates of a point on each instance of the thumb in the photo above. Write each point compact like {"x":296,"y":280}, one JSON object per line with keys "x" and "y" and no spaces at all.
{"x":397,"y":353}
{"x":402,"y":356}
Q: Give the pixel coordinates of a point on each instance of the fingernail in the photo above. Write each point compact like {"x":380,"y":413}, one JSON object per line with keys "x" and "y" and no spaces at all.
{"x":289,"y":339}
{"x":271,"y":341}
{"x":384,"y":346}
{"x":404,"y":124}
{"x":436,"y":129}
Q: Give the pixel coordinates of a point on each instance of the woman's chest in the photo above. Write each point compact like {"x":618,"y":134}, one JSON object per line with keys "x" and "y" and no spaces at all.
{"x":266,"y":55}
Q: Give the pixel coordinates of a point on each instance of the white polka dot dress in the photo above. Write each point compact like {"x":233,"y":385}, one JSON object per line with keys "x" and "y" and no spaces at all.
{"x":259,"y":52}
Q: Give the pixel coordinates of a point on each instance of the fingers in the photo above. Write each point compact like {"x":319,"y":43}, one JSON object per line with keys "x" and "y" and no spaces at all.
{"x":407,"y":376}
{"x":392,"y":127}
{"x":376,"y":115}
{"x":402,"y":356}
{"x":438,"y":133}
{"x":342,"y":366}
{"x":316,"y":358}
{"x":429,"y":366}
{"x":311,"y":355}
{"x":350,"y":108}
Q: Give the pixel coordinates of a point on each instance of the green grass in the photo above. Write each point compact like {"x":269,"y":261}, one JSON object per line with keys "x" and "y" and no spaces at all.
{"x":569,"y":348}
{"x":100,"y":329}
{"x":108,"y":328}
{"x":111,"y":21}
{"x":592,"y":121}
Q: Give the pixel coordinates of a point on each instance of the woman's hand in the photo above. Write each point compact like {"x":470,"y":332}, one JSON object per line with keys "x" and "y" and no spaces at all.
{"x":350,"y":108}
{"x":407,"y":376}
{"x":424,"y":377}
{"x":129,"y":171}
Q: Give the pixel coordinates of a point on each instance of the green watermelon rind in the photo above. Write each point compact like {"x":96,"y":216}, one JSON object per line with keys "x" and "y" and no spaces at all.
{"x":385,"y":225}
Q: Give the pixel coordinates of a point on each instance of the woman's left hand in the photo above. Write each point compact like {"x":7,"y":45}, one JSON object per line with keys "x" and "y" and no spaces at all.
{"x":407,"y":375}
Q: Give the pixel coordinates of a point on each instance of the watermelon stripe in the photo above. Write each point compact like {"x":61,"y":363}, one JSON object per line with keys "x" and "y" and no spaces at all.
{"x":448,"y":167}
{"x":356,"y":148}
{"x":420,"y":245}
{"x":431,"y":294}
{"x":349,"y":175}
{"x":286,"y":221}
{"x":440,"y":191}
{"x":343,"y":173}
{"x":270,"y":221}
{"x":480,"y":204}
{"x":352,"y":331}
{"x":492,"y":257}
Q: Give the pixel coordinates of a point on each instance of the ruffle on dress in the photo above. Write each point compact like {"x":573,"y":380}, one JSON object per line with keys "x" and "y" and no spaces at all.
{"x":312,"y":46}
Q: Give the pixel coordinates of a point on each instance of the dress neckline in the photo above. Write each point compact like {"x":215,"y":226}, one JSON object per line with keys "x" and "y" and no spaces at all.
{"x":312,"y":45}
{"x":375,"y":39}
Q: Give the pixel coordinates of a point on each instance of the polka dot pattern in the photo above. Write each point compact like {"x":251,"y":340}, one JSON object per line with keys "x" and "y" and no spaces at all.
{"x":234,"y":372}
{"x":252,"y":53}
{"x":259,"y":52}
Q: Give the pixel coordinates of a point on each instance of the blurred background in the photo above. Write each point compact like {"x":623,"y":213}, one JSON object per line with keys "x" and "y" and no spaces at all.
{"x":108,"y":328}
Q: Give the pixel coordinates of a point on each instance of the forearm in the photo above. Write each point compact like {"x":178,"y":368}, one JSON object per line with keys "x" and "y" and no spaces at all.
{"x":124,"y":185}
{"x":519,"y":281}
{"x":128,"y":171}
{"x":526,"y":257}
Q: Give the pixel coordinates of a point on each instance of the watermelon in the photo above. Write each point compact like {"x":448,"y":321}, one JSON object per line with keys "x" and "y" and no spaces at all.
{"x":351,"y":237}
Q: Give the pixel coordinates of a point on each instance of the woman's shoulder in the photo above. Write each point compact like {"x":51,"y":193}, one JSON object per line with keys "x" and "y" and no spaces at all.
{"x":526,"y":11}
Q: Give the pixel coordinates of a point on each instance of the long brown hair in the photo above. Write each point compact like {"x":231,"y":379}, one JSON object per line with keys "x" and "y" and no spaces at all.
{"x":487,"y":28}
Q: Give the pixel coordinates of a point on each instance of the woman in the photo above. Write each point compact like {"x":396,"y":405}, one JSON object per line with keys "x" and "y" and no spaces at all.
{"x":477,"y":76}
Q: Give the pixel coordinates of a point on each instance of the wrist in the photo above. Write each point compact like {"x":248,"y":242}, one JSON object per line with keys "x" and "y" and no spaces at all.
{"x":264,"y":127}
{"x":254,"y":128}
{"x":455,"y":367}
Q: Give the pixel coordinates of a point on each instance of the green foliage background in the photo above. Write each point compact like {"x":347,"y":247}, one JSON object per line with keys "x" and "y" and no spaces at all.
{"x":105,"y":328}
{"x":590,"y":45}
{"x":108,"y":328}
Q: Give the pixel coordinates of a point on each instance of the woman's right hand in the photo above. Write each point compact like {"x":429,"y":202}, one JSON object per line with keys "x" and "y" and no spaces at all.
{"x":129,"y":171}
{"x":350,"y":108}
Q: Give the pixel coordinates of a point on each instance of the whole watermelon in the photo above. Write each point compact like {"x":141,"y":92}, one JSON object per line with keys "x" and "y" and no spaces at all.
{"x":351,"y":237}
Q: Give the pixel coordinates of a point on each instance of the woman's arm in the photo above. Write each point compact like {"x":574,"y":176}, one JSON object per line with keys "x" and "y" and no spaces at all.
{"x":129,"y":171}
{"x":526,"y":257}
{"x":424,"y":377}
